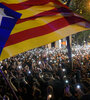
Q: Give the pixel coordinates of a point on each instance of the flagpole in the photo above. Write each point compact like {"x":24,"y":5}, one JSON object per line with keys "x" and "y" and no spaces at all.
{"x":69,"y":51}
{"x":9,"y":84}
{"x":69,"y":44}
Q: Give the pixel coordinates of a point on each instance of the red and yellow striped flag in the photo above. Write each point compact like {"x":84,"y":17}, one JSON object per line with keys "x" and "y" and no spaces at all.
{"x":42,"y":22}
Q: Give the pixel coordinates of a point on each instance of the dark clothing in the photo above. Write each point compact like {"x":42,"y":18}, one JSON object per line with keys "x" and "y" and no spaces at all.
{"x":85,"y":97}
{"x":69,"y":98}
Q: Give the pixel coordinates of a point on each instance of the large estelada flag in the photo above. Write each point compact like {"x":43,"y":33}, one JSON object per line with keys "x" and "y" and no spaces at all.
{"x":42,"y":22}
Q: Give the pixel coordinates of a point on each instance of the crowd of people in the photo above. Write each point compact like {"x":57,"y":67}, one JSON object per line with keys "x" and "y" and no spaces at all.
{"x":47,"y":74}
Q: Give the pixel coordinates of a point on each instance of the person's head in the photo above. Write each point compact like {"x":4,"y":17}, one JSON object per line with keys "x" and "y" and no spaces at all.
{"x":49,"y":89}
{"x":37,"y":92}
{"x":5,"y":97}
{"x":87,"y":86}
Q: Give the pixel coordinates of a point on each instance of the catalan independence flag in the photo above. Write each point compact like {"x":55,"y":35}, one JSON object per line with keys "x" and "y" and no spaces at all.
{"x":42,"y":22}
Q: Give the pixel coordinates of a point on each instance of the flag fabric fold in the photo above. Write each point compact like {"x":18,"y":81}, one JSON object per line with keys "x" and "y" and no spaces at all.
{"x":8,"y":19}
{"x":42,"y":22}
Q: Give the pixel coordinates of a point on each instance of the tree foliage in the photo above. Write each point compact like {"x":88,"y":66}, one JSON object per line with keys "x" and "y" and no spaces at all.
{"x":81,"y":38}
{"x":81,"y":7}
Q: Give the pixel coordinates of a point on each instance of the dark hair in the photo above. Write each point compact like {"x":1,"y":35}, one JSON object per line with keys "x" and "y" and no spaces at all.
{"x":5,"y":97}
{"x":37,"y":92}
{"x":49,"y":89}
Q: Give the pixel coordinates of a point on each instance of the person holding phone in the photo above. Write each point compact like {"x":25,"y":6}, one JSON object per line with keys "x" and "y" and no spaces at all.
{"x":78,"y":91}
{"x":50,"y":95}
{"x":67,"y":94}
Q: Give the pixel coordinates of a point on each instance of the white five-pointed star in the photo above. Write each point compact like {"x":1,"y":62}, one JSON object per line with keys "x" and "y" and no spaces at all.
{"x":2,"y":14}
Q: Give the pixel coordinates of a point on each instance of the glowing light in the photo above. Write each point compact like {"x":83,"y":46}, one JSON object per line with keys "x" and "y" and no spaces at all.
{"x":64,"y":76}
{"x":89,"y":4}
{"x":66,"y":81}
{"x":19,"y":67}
{"x":33,"y":61}
{"x":1,"y":67}
{"x":63,"y":69}
{"x":0,"y":61}
{"x":39,"y":62}
{"x":47,"y":58}
{"x":50,"y":60}
{"x":50,"y":95}
{"x":60,"y":64}
{"x":84,"y":41}
{"x":54,"y":61}
{"x":81,"y":11}
{"x":42,"y":76}
{"x":29,"y":72}
{"x":78,"y":86}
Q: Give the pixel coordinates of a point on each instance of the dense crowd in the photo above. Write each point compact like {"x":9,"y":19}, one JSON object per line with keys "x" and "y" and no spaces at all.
{"x":46,"y":74}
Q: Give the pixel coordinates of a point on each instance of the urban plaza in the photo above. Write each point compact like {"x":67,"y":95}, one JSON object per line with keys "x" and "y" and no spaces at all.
{"x":44,"y":49}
